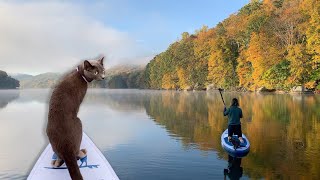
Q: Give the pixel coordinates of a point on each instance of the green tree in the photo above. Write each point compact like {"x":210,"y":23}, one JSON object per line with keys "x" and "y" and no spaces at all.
{"x":7,"y":82}
{"x":300,"y":64}
{"x":276,"y":77}
{"x":313,"y":38}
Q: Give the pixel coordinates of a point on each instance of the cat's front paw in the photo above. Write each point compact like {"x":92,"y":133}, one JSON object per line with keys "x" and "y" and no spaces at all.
{"x":82,"y":153}
{"x":56,"y":161}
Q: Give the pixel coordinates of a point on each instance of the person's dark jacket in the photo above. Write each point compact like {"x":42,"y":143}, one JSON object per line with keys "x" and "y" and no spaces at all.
{"x":234,"y":114}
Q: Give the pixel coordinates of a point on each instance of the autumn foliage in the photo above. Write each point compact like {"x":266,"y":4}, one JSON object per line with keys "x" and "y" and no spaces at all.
{"x":271,"y":43}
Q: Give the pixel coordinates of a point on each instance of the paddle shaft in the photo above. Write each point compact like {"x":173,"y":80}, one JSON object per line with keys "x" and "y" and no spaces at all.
{"x":222,"y":97}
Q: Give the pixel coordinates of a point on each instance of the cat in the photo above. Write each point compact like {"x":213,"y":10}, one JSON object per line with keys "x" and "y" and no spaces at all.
{"x":64,"y":128}
{"x":236,"y":143}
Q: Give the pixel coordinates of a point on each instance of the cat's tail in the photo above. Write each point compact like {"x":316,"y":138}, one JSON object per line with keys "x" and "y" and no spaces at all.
{"x":73,"y":168}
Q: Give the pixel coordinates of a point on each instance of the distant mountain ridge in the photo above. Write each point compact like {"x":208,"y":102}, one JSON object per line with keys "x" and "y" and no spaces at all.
{"x":124,"y":69}
{"x":120,"y":76}
{"x":45,"y":80}
{"x":20,"y":76}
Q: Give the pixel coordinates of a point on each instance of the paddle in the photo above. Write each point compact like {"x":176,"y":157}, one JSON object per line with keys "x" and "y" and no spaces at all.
{"x":220,"y":90}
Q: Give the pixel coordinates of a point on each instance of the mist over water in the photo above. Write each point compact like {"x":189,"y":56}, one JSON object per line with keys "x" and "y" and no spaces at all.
{"x":170,"y":135}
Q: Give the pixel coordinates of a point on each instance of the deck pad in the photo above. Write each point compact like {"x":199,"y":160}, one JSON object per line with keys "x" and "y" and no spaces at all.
{"x":97,"y":165}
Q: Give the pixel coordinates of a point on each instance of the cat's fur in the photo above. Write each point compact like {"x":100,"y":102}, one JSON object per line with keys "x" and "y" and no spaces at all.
{"x":64,"y":128}
{"x":235,"y":142}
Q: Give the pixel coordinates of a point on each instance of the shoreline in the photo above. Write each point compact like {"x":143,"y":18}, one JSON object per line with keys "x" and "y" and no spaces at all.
{"x":211,"y":90}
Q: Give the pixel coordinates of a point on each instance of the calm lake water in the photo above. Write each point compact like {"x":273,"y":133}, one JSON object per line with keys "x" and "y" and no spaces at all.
{"x":171,"y":135}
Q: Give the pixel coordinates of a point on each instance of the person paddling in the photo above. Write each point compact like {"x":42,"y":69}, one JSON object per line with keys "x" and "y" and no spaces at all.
{"x":234,"y":114}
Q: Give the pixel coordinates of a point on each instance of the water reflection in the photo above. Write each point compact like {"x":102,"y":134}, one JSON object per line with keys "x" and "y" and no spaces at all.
{"x":7,"y":96}
{"x":282,"y":130}
{"x":234,"y":170}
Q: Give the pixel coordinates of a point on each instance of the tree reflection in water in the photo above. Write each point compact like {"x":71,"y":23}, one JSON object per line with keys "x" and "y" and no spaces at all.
{"x":282,"y":129}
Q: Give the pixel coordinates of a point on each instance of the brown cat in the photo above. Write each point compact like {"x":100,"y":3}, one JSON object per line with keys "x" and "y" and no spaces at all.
{"x":64,"y":128}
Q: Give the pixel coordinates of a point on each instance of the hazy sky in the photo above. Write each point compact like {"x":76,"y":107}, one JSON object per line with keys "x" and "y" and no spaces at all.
{"x":40,"y":36}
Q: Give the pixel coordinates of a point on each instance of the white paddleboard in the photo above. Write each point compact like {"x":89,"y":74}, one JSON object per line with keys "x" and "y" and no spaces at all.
{"x":97,"y":168}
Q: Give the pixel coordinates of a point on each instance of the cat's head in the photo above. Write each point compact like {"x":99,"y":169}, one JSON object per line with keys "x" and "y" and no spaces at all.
{"x":93,"y":69}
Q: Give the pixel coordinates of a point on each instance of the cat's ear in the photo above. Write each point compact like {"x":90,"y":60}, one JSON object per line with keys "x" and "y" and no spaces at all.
{"x":100,"y":60}
{"x":87,"y":66}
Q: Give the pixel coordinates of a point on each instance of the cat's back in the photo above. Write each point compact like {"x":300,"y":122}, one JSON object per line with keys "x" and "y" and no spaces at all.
{"x":66,"y":96}
{"x":62,"y":89}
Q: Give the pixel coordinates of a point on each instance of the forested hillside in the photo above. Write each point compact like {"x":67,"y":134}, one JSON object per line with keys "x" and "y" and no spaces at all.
{"x":7,"y":82}
{"x":122,"y":77}
{"x":271,"y":43}
{"x":45,"y":80}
